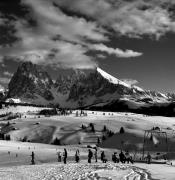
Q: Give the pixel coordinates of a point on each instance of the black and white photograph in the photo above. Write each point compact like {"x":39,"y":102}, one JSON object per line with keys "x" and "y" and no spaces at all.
{"x":87,"y":89}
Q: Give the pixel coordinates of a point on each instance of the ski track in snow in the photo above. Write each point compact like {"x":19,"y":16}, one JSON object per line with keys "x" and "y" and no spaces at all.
{"x":73,"y":171}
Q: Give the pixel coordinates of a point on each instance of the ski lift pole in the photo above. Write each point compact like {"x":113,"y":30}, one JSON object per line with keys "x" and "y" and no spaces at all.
{"x":167,"y":147}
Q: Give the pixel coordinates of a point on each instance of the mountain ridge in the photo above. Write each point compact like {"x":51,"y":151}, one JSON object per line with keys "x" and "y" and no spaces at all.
{"x":32,"y":84}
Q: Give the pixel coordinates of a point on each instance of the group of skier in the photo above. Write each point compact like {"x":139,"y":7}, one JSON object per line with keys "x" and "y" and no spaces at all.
{"x":64,"y":156}
{"x":116,"y":159}
{"x":122,"y":157}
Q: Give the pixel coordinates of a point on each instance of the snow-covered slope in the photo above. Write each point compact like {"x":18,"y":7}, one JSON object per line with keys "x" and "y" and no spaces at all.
{"x":138,"y":88}
{"x":112,"y":79}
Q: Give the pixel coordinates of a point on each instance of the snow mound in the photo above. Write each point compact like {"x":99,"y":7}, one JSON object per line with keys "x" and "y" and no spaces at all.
{"x":13,"y":100}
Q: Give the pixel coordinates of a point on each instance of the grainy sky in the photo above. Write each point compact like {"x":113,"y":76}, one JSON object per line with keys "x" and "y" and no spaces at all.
{"x":133,"y":40}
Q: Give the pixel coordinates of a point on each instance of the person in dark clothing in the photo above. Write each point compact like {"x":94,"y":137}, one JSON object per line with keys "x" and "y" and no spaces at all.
{"x":131,"y":160}
{"x":103,"y":157}
{"x":122,"y":157}
{"x":59,"y":156}
{"x":95,"y":154}
{"x":148,"y":158}
{"x":65,"y":156}
{"x":114,"y":158}
{"x":128,"y":157}
{"x":77,"y":156}
{"x":33,"y":158}
{"x":90,"y":154}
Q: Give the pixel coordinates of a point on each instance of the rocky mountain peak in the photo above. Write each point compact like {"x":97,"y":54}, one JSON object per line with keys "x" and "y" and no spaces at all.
{"x":29,"y":81}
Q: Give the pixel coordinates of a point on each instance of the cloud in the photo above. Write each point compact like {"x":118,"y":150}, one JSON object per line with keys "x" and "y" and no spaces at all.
{"x":3,"y":20}
{"x":3,"y":65}
{"x":70,"y":55}
{"x":4,"y":80}
{"x":1,"y":59}
{"x":7,"y":73}
{"x":101,"y":56}
{"x":54,"y":22}
{"x":130,"y":81}
{"x":58,"y":39}
{"x":1,"y":87}
{"x":136,"y":23}
{"x":130,"y":18}
{"x":38,"y":48}
{"x":118,"y":52}
{"x":36,"y":43}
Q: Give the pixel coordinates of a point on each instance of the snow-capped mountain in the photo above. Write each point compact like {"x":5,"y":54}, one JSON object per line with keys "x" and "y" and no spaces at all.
{"x":111,"y":79}
{"x":72,"y":88}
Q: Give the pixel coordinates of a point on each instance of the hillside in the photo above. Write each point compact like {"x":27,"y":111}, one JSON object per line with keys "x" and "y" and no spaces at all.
{"x":39,"y":129}
{"x":68,"y":130}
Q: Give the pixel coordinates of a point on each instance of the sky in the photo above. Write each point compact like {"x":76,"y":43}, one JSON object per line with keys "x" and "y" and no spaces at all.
{"x":132,"y":40}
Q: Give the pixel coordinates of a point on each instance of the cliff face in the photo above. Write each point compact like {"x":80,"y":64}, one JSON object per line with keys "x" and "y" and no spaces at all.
{"x":29,"y":81}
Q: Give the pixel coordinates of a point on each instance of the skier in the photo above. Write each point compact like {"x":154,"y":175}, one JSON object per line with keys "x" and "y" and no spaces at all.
{"x":128,"y":157}
{"x":33,"y":158}
{"x":103,"y":157}
{"x":114,"y":157}
{"x":122,"y":157}
{"x":95,"y":154}
{"x":90,"y":154}
{"x":65,"y":156}
{"x":77,"y":156}
{"x":148,"y":158}
{"x":59,"y":156}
